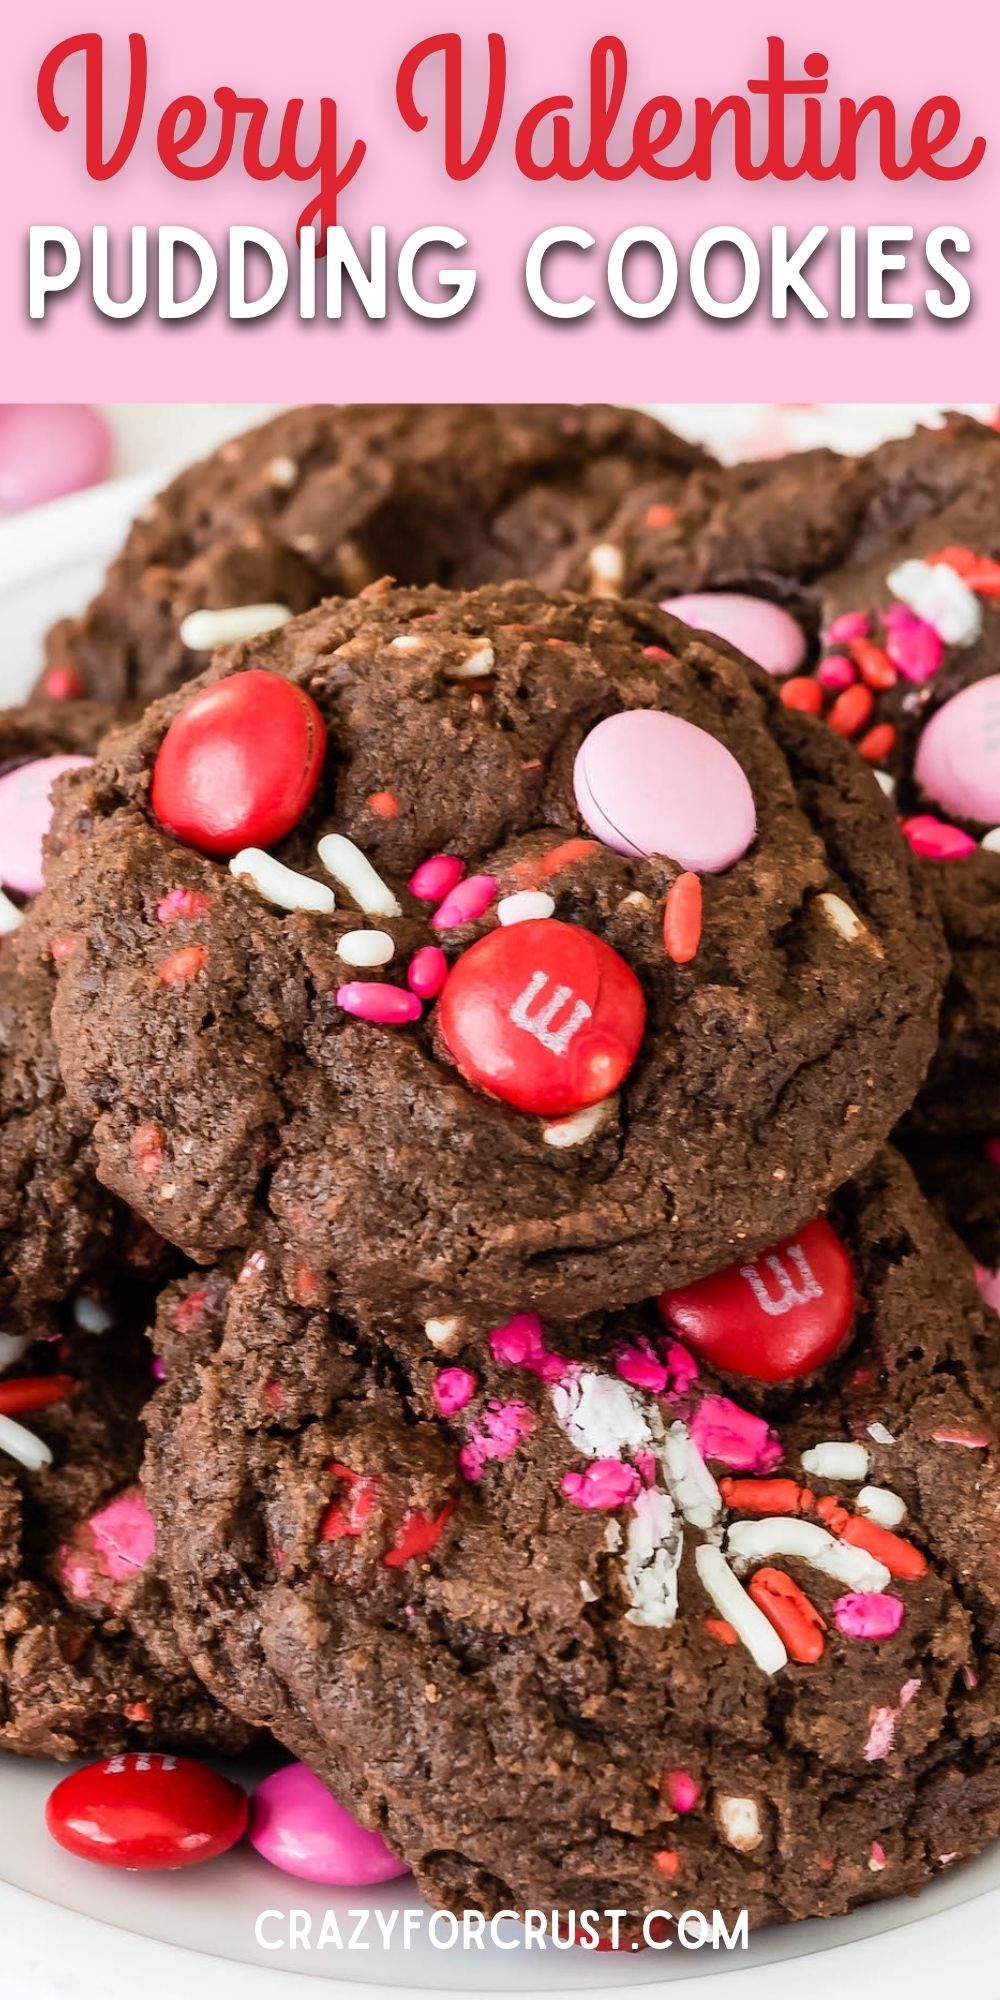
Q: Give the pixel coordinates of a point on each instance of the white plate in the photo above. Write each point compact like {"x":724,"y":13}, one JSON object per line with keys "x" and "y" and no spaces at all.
{"x":79,"y":1932}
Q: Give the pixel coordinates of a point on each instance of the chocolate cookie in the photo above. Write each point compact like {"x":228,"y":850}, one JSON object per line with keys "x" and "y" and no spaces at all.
{"x":583,"y":1623}
{"x":89,"y":1664}
{"x":963,"y":1177}
{"x":325,"y":499}
{"x":880,"y":581}
{"x":635,"y":1066}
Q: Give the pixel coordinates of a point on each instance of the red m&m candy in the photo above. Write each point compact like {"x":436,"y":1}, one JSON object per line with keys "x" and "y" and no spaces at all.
{"x":774,"y":1317}
{"x":143,"y":1810}
{"x":239,"y":765}
{"x":543,"y":1015}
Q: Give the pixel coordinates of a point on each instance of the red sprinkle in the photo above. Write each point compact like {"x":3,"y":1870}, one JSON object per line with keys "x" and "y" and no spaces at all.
{"x":659,"y":515}
{"x":668,"y":1861}
{"x":682,"y":918}
{"x":901,"y":1558}
{"x":184,"y":965}
{"x":147,"y":1148}
{"x":137,"y":1711}
{"x":875,"y":666}
{"x":350,"y":1512}
{"x":879,"y":743}
{"x":384,"y":805}
{"x":35,"y":1392}
{"x":766,"y":1496}
{"x":720,"y":1629}
{"x":655,"y":653}
{"x":981,"y":573}
{"x":63,"y":947}
{"x":851,"y":710}
{"x":63,"y":684}
{"x":417,"y":1535}
{"x":179,"y":903}
{"x":786,"y":1607}
{"x":564,"y":856}
{"x":187,"y":1312}
{"x":803,"y":694}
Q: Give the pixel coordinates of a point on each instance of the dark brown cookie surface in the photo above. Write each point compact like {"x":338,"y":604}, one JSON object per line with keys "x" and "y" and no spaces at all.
{"x":324,"y":499}
{"x":576,"y":1624}
{"x":200,"y":1026}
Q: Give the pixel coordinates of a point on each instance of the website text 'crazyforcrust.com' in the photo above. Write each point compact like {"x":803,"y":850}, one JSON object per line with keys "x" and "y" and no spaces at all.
{"x":508,"y":1930}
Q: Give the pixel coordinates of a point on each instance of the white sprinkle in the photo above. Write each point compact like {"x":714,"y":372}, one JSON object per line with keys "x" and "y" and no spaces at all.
{"x":407,"y":642}
{"x":201,"y":630}
{"x":880,"y":1435}
{"x":653,"y":1549}
{"x":991,"y":840}
{"x":613,"y":1537}
{"x":92,"y":1315}
{"x":601,"y":1416}
{"x":885,"y":782}
{"x":280,"y":885}
{"x":776,"y":1535}
{"x":635,"y":900}
{"x":365,"y":948}
{"x":881,"y":1505}
{"x":587,"y":1591}
{"x":937,"y":593}
{"x":472,"y":667}
{"x":738,"y":1822}
{"x":524,"y":906}
{"x":10,"y":916}
{"x":282,"y":472}
{"x":841,"y":916}
{"x":355,"y":873}
{"x":837,"y":1460}
{"x":23,"y":1445}
{"x":12,"y":1346}
{"x":739,"y":1610}
{"x":580,"y":1125}
{"x":443,"y":1333}
{"x":607,"y":570}
{"x":689,"y":1479}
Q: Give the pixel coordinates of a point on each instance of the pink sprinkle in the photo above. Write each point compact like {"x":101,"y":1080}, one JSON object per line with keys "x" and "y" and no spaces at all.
{"x":681,"y":1790}
{"x":374,"y":1000}
{"x":877,"y":1860}
{"x":971,"y":1440}
{"x":496,"y":1435}
{"x":159,"y":1369}
{"x":521,"y":1344}
{"x":914,"y":647}
{"x":465,"y":903}
{"x":178,"y":903}
{"x":645,"y":1465}
{"x":991,"y":1151}
{"x":881,"y":1734}
{"x":989,"y":1287}
{"x":639,"y":1365}
{"x":453,"y":1388}
{"x":970,"y":1677}
{"x":935,"y":839}
{"x":682,"y":1368}
{"x":721,"y":1430}
{"x":866,"y":1614}
{"x":606,"y":1483}
{"x":837,"y":672}
{"x":907,"y":1693}
{"x":850,"y":625}
{"x":434,"y":879}
{"x":427,"y":972}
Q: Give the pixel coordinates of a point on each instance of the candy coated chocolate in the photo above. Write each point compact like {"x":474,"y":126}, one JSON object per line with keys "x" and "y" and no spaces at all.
{"x":651,"y":783}
{"x":296,"y":1824}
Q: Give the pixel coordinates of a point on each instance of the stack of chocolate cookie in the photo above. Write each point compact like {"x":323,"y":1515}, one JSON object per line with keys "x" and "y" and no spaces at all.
{"x":577,"y":1430}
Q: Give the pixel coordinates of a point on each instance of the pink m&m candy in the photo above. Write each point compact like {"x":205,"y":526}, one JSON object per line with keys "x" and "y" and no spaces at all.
{"x":47,"y":449}
{"x":761,"y":630}
{"x":958,"y":759}
{"x":25,"y":814}
{"x":650,"y":783}
{"x":297,"y":1825}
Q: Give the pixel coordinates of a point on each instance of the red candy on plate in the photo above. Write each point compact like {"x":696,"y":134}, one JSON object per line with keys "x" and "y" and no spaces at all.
{"x":543,"y":1015}
{"x":239,"y":764}
{"x":143,"y":1810}
{"x":773,"y":1317}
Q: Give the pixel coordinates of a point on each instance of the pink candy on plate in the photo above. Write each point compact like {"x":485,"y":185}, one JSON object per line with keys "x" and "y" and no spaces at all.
{"x":298,"y":1826}
{"x":958,"y":758}
{"x":48,"y":449}
{"x":760,"y":629}
{"x":651,"y":783}
{"x":25,"y":814}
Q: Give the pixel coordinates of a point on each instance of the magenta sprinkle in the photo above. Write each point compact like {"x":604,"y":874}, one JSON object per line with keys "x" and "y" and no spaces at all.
{"x":680,"y":1790}
{"x":645,"y":1465}
{"x":850,"y":625}
{"x":466,"y":902}
{"x":935,"y":839}
{"x":734,"y":1437}
{"x":427,"y":972}
{"x":682,"y":1369}
{"x":496,"y":1435}
{"x":914,"y":647}
{"x":991,"y":1151}
{"x":374,"y":1000}
{"x":521,"y":1344}
{"x":640,"y":1366}
{"x":837,"y":672}
{"x":159,"y":1369}
{"x":453,"y":1388}
{"x":434,"y":879}
{"x":867,"y":1614}
{"x":606,"y":1483}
